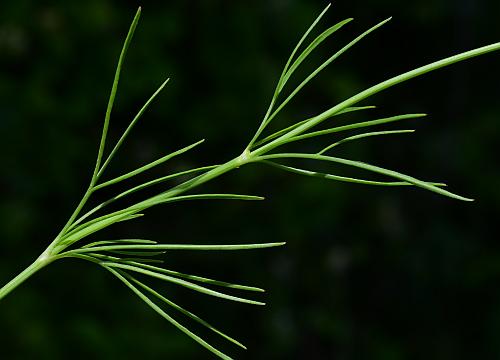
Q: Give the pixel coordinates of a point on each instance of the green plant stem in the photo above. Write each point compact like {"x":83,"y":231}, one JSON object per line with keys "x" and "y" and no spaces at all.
{"x":50,"y":254}
{"x":38,"y":264}
{"x":199,"y":180}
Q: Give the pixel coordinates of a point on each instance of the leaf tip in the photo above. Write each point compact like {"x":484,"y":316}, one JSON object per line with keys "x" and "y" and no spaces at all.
{"x":164,"y":83}
{"x":462,"y":198}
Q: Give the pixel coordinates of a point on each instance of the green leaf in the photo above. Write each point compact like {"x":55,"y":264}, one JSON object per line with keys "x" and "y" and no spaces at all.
{"x":280,"y":83}
{"x":322,"y":37}
{"x":362,"y":136}
{"x":129,"y":128}
{"x":147,"y":166}
{"x":162,"y":313}
{"x":124,"y":260}
{"x":162,"y":179}
{"x":120,"y":241}
{"x":321,"y":67}
{"x":184,"y":283}
{"x":163,"y":199}
{"x":137,"y":188}
{"x":178,"y":274}
{"x":137,"y":253}
{"x":86,"y":229}
{"x":355,"y":126}
{"x":374,"y":90}
{"x":121,"y":247}
{"x":342,"y":178}
{"x":131,"y":217}
{"x":104,"y":133}
{"x":291,"y":127}
{"x":198,"y":278}
{"x":372,"y":168}
{"x":297,"y":47}
{"x":112,"y":96}
{"x":185,"y":312}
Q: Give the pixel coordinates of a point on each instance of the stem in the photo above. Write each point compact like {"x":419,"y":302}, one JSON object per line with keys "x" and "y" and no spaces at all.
{"x":201,"y":179}
{"x":38,"y":264}
{"x":59,"y":244}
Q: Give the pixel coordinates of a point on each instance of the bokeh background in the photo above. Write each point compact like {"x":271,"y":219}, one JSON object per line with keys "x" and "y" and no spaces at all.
{"x":367,"y":273}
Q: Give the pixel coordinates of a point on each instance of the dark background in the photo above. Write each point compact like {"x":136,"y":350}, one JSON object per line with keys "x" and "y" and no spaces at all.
{"x":368,"y":273}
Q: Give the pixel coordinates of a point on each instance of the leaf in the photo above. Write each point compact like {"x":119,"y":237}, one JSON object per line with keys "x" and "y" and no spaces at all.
{"x":184,"y":283}
{"x":184,"y":311}
{"x":364,"y":135}
{"x":342,"y":178}
{"x":163,"y":179}
{"x":199,"y":278}
{"x":321,"y":67}
{"x":138,"y":253}
{"x":157,"y":247}
{"x":120,"y":241}
{"x":131,"y":217}
{"x":297,"y":47}
{"x":137,"y":188}
{"x":86,"y":229}
{"x":178,"y":274}
{"x":368,"y":167}
{"x":355,"y":126}
{"x":155,"y":200}
{"x":114,"y":88}
{"x":291,"y":127}
{"x":322,"y":37}
{"x":147,"y":166}
{"x":156,"y":308}
{"x":104,"y":133}
{"x":129,"y":128}
{"x":163,"y":199}
{"x":281,"y":82}
{"x":374,"y":90}
{"x":126,"y":260}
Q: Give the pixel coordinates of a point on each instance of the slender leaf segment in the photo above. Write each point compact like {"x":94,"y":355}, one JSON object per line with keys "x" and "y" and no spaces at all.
{"x":128,"y":258}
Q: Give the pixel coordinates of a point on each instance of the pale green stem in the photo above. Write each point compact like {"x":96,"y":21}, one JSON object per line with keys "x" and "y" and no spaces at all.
{"x":38,"y":264}
{"x":57,"y":246}
{"x":50,"y":254}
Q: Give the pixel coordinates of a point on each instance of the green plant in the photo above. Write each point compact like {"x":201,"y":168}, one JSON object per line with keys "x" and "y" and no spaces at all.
{"x":124,"y":257}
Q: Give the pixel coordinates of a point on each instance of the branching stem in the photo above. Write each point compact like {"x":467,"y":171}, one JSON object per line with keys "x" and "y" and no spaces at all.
{"x":259,"y":149}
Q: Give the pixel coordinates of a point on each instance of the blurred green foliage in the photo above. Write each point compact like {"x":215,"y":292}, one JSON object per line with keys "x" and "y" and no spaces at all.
{"x":368,"y":273}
